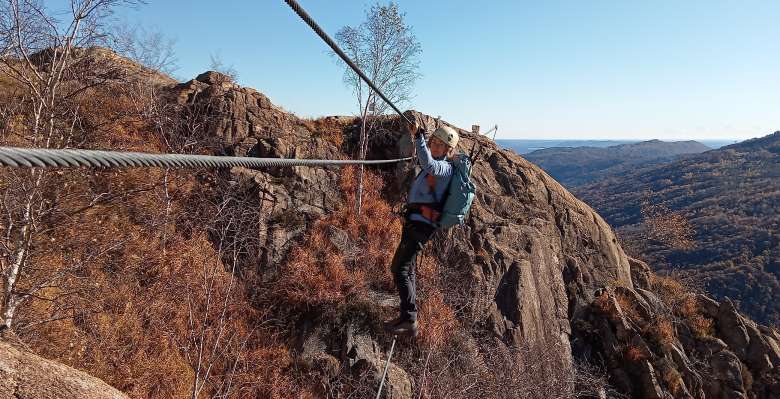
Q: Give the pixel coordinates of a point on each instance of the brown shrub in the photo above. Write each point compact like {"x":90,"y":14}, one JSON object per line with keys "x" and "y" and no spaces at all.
{"x":635,"y":354}
{"x":316,"y":274}
{"x":602,"y":303}
{"x":673,"y":380}
{"x":700,"y":326}
{"x":327,"y":128}
{"x":661,"y":331}
{"x":437,"y":320}
{"x":627,"y":306}
{"x":668,"y":289}
{"x":682,"y":303}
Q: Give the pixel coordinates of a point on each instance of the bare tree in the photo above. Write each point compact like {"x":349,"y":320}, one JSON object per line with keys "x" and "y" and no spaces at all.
{"x":149,"y":48}
{"x":41,"y":55}
{"x":216,"y":64}
{"x":387,"y":51}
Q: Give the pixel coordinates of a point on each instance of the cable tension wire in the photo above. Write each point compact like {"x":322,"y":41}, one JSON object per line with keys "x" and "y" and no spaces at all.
{"x":316,"y":28}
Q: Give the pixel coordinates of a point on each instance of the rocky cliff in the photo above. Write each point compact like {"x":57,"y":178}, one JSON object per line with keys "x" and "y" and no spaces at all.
{"x":533,"y":297}
{"x":534,"y":270}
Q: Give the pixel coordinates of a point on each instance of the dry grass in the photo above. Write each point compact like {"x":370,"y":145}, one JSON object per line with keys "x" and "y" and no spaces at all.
{"x":131,"y":307}
{"x":317,"y":274}
{"x":327,"y":128}
{"x":602,"y":303}
{"x":701,"y":326}
{"x":661,"y":331}
{"x":437,"y":320}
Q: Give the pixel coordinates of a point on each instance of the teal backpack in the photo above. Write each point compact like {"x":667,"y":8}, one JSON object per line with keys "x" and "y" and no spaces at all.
{"x":459,"y":194}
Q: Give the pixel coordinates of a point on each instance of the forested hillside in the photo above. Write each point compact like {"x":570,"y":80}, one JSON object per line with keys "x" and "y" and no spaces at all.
{"x":575,"y":166}
{"x":730,"y":197}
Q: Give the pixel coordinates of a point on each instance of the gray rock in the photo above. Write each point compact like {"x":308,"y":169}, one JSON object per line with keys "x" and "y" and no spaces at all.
{"x":24,"y":375}
{"x":362,"y":354}
{"x":651,"y":389}
{"x":727,"y":371}
{"x":731,"y":328}
{"x":640,"y":273}
{"x":707,"y":305}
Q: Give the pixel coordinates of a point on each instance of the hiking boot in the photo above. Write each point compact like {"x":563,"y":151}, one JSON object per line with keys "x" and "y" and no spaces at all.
{"x":402,"y":327}
{"x":390,"y":324}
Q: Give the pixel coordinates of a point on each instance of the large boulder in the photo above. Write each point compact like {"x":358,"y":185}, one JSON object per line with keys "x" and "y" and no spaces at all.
{"x":24,"y":375}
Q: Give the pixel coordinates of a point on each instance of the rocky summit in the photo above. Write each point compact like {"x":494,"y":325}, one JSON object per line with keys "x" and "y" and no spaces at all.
{"x":532,"y":297}
{"x":534,"y":268}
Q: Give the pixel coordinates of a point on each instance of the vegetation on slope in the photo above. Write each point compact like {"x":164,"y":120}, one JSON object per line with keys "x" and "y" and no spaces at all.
{"x":730,"y":198}
{"x":574,"y":166}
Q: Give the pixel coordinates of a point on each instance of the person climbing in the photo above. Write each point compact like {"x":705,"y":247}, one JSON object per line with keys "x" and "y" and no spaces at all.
{"x":424,"y":208}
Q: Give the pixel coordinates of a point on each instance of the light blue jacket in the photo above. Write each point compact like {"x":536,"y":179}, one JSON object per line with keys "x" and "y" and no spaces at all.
{"x":439,"y":168}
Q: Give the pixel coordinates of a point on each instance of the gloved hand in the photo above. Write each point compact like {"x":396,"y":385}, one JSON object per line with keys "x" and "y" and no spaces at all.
{"x":412,"y":129}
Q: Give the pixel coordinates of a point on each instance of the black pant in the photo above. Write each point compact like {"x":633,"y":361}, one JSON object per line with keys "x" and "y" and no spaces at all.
{"x":414,"y":236}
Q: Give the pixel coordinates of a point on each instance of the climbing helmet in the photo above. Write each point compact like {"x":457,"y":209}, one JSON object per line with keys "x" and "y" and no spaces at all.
{"x":448,"y":135}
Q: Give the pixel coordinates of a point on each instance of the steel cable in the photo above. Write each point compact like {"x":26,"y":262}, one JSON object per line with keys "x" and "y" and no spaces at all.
{"x":316,"y":28}
{"x":70,"y":158}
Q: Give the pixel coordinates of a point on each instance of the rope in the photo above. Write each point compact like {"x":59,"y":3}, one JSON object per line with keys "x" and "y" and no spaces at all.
{"x":71,"y":158}
{"x":387,"y":366}
{"x":316,"y":28}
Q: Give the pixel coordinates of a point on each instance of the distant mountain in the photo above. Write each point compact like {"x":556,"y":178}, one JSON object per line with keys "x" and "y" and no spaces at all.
{"x":732,"y":198}
{"x":526,"y":146}
{"x":574,"y":166}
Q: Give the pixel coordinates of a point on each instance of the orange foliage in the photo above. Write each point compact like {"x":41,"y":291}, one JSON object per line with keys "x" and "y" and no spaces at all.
{"x":673,"y":381}
{"x":662,"y":331}
{"x":437,"y":320}
{"x":132,"y":307}
{"x":328,"y":128}
{"x":683,"y":303}
{"x":635,"y":354}
{"x":317,"y":273}
{"x":700,"y":326}
{"x":628,"y":307}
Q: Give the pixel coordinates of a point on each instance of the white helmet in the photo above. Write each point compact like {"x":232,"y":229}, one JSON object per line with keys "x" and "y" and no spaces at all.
{"x":448,"y":135}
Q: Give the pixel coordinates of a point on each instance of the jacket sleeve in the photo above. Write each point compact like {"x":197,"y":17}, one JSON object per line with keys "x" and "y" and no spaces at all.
{"x":426,"y":160}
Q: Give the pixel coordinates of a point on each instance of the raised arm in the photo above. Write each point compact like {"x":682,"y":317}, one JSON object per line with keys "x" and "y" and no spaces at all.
{"x":426,"y":160}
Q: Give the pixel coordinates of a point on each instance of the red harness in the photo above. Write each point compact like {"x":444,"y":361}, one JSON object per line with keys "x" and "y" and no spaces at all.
{"x":426,"y":210}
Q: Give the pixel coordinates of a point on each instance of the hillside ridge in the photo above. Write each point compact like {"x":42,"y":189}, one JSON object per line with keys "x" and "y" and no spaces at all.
{"x":574,"y":166}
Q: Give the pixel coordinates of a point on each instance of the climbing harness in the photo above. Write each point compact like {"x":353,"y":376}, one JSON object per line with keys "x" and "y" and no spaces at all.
{"x":387,"y":366}
{"x":52,"y":158}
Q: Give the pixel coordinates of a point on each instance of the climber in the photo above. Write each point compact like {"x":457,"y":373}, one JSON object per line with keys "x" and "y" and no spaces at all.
{"x":424,"y":206}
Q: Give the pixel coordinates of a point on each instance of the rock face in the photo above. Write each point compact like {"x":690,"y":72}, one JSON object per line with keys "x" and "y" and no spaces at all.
{"x":24,"y":375}
{"x":702,"y":349}
{"x":539,"y":269}
{"x":534,"y":254}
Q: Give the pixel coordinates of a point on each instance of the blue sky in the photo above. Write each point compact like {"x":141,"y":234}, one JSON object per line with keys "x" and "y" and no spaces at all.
{"x":624,"y":69}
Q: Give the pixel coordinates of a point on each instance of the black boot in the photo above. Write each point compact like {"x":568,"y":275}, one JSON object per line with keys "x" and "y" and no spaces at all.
{"x":402,"y":326}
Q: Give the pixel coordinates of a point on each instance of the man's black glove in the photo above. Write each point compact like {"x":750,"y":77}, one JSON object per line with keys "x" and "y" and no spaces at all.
{"x":419,"y":133}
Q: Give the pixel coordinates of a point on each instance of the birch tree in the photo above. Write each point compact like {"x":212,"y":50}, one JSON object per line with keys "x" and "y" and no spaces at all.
{"x":386,"y":50}
{"x":39,"y":57}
